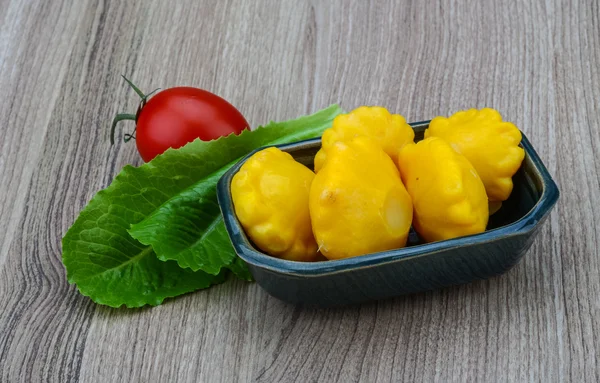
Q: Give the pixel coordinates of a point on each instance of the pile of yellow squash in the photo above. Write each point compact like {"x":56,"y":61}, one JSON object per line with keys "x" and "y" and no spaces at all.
{"x":371,"y":182}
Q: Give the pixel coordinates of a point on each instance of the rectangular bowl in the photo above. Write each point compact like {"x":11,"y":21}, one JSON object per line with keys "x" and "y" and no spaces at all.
{"x":415,"y":268}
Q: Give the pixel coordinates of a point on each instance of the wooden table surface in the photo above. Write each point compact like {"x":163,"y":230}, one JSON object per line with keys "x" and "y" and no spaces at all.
{"x":538,"y":62}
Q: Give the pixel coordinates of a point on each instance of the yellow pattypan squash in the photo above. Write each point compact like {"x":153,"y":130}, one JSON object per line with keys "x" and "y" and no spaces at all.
{"x":270,"y":196}
{"x":390,"y":131}
{"x":448,"y":196}
{"x":358,"y":204}
{"x":490,"y":144}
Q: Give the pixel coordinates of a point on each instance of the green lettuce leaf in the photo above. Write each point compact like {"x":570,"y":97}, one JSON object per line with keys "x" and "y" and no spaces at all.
{"x":111,"y":267}
{"x":189,"y":228}
{"x":173,"y":198}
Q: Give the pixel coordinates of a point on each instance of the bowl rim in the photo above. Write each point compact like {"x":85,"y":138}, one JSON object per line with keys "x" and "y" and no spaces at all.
{"x":249,"y":254}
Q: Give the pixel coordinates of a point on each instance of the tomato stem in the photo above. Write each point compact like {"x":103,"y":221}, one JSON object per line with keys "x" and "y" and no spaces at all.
{"x":127,"y":137}
{"x":135,"y":88}
{"x":151,"y":93}
{"x":119,"y":117}
{"x":126,"y":116}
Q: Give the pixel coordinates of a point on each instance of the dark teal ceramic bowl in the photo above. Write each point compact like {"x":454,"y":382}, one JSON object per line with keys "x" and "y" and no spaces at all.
{"x":417,"y":267}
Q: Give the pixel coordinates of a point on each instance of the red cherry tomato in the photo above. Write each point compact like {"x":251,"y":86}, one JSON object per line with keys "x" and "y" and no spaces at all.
{"x":177,"y":116}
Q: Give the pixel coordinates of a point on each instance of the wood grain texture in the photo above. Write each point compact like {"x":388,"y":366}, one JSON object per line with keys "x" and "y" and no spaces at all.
{"x":537,"y":62}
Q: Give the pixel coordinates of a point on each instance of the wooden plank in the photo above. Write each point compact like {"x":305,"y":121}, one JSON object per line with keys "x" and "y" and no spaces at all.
{"x":537,"y":62}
